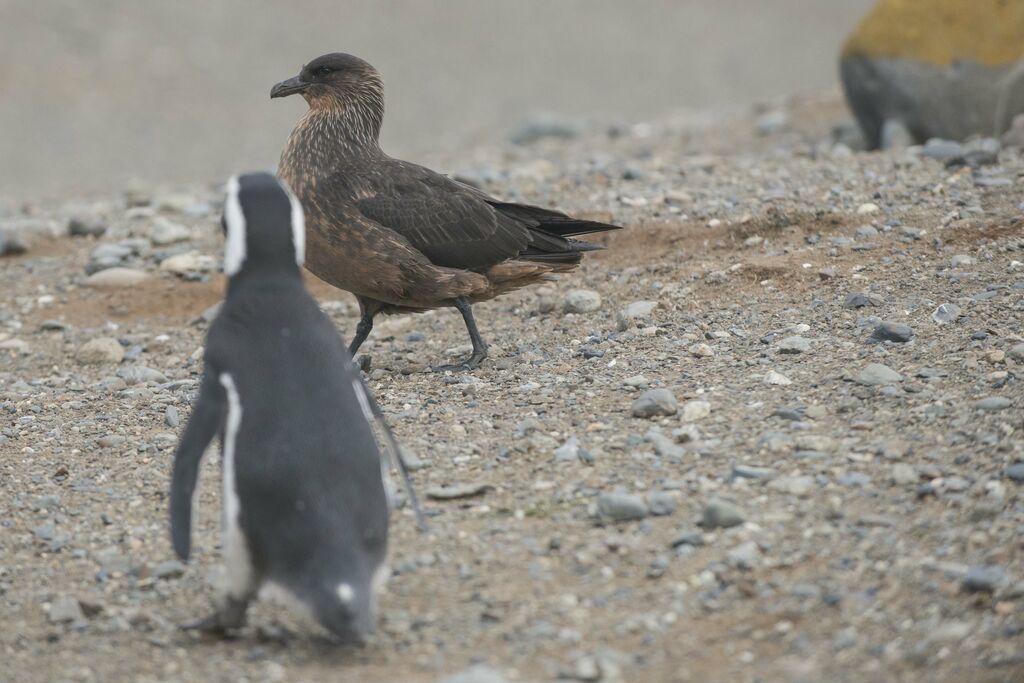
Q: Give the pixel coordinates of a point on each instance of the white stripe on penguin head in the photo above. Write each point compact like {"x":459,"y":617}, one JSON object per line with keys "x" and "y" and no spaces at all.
{"x":298,"y":224}
{"x":234,"y":247}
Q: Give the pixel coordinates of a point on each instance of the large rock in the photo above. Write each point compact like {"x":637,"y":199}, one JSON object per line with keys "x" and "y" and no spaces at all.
{"x":936,"y":69}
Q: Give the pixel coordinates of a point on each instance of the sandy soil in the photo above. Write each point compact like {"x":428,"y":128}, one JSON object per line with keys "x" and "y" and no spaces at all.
{"x":865,"y":507}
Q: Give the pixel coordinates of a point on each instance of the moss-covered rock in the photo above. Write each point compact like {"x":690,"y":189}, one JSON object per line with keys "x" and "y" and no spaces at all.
{"x":936,"y":68}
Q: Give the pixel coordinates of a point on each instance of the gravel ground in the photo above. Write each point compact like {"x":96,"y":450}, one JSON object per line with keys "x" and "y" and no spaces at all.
{"x":773,"y":433}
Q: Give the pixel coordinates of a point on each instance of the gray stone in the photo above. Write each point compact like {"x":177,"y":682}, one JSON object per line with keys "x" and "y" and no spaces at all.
{"x":1016,"y":352}
{"x":621,"y":507}
{"x":856,"y":300}
{"x":946,"y":313}
{"x":992,"y":404}
{"x":581,"y":301}
{"x":568,"y":451}
{"x":984,"y":579}
{"x":794,"y":344}
{"x":866,"y":232}
{"x":100,"y":351}
{"x":721,"y":513}
{"x":166,"y":232}
{"x":942,"y":150}
{"x":108,"y":251}
{"x":1016,"y":472}
{"x":752,"y":472}
{"x":962,"y":260}
{"x":65,"y":609}
{"x":904,"y":474}
{"x":140,"y":374}
{"x":661,"y":503}
{"x":638,"y":312}
{"x":876,"y":374}
{"x":654,"y":403}
{"x":745,"y":556}
{"x":171,"y":417}
{"x":893,"y":332}
{"x":86,"y":225}
{"x":694,"y":537}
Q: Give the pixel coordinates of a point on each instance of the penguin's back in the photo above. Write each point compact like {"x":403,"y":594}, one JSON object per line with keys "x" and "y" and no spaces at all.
{"x":306,"y":465}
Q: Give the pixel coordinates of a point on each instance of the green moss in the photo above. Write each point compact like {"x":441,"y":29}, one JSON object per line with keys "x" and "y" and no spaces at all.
{"x":988,"y":32}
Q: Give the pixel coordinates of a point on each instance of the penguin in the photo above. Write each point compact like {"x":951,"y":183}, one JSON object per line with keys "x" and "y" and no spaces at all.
{"x":305,"y":493}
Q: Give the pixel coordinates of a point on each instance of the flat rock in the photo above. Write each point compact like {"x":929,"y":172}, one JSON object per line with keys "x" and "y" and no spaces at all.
{"x":655,"y":403}
{"x":776,"y":378}
{"x":621,"y":507}
{"x":189,"y":262}
{"x":456,"y":491}
{"x":892,"y":332}
{"x":65,"y":609}
{"x":993,"y":403}
{"x":116,"y":278}
{"x":752,"y":472}
{"x":794,"y":344}
{"x":876,"y":374}
{"x":139,"y":374}
{"x":100,"y":351}
{"x":694,"y":410}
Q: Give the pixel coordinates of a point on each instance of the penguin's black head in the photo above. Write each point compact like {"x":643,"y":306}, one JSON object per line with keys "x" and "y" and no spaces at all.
{"x":263,"y":224}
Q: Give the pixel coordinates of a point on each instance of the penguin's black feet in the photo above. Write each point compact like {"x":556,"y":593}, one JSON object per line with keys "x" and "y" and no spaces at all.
{"x":230,"y":617}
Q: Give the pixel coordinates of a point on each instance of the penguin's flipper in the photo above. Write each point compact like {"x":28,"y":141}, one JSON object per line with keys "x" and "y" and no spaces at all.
{"x":207,"y":418}
{"x":392,"y":446}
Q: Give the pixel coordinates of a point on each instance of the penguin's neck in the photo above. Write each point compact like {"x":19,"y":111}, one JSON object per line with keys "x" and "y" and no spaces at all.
{"x":265,"y":277}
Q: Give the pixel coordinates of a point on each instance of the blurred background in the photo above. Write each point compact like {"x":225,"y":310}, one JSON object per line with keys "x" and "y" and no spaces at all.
{"x":96,"y":93}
